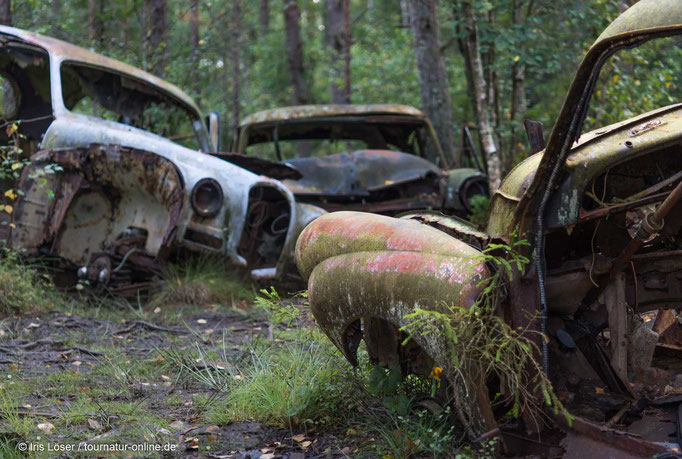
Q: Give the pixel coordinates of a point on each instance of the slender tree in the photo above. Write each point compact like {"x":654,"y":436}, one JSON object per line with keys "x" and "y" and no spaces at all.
{"x":264,"y":16}
{"x":156,"y":35}
{"x":478,"y":92}
{"x":433,"y":79}
{"x":6,"y":12}
{"x":518,"y":96}
{"x":95,"y":23}
{"x":236,"y":45}
{"x":339,"y":38}
{"x":404,"y":14}
{"x":194,"y":40}
{"x":294,"y":50}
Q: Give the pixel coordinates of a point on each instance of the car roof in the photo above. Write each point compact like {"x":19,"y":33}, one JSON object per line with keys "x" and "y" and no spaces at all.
{"x":300,"y":112}
{"x":71,"y":52}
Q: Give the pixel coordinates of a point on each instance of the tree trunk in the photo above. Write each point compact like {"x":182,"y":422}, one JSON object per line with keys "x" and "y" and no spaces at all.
{"x":404,"y":14}
{"x":264,"y":16}
{"x":433,"y":79}
{"x":294,"y":49}
{"x":194,"y":40}
{"x":194,"y":26}
{"x":95,"y":23}
{"x":339,"y":39}
{"x":518,"y":97}
{"x":55,"y":30}
{"x":6,"y":12}
{"x":156,"y":35}
{"x":236,"y":37}
{"x":478,"y":91}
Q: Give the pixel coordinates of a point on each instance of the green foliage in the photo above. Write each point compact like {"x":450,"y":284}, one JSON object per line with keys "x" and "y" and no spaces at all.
{"x":483,"y":345}
{"x":383,"y":64}
{"x":199,"y":282}
{"x":298,"y":383}
{"x":422,"y":435}
{"x":479,"y":210}
{"x":281,"y":311}
{"x":23,"y":288}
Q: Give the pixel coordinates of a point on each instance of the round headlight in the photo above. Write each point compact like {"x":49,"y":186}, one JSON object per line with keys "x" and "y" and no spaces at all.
{"x":207,"y":197}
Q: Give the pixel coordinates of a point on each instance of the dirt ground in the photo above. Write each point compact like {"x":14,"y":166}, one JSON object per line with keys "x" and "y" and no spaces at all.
{"x":101,"y":373}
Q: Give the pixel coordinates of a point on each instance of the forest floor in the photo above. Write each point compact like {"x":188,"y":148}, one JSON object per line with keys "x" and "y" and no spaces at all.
{"x":135,"y":378}
{"x":87,"y":377}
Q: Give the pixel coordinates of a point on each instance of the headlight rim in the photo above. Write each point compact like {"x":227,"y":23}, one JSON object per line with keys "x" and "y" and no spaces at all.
{"x":212,"y":210}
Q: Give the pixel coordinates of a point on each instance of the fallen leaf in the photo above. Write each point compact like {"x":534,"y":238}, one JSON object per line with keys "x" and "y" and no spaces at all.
{"x":94,"y":425}
{"x":298,"y":438}
{"x":305,"y":444}
{"x":598,"y":390}
{"x":192,"y":443}
{"x":157,"y":310}
{"x":46,"y":427}
{"x":177,"y":425}
{"x":13,"y":367}
{"x":76,"y":363}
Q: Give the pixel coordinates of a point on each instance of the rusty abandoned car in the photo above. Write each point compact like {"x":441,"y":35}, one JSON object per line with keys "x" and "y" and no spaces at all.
{"x":602,"y":213}
{"x":135,"y":183}
{"x":378,"y":158}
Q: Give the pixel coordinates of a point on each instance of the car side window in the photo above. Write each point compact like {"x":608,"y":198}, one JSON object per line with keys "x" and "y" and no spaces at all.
{"x":113,"y":97}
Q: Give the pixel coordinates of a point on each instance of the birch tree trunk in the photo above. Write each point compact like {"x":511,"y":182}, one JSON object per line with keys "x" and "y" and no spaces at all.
{"x":156,"y":35}
{"x":433,"y":79}
{"x":478,"y":92}
{"x":404,"y":14}
{"x":294,"y":49}
{"x":339,"y":39}
{"x":518,"y":97}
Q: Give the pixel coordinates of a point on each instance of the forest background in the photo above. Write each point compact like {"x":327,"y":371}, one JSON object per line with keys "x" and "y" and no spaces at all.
{"x":485,"y":64}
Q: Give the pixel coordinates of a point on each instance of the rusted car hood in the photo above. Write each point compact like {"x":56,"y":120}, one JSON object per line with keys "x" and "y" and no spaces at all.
{"x":646,"y":20}
{"x":357,"y":173}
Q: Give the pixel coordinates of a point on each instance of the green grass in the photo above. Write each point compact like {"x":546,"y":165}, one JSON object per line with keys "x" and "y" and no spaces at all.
{"x":23,"y":288}
{"x":300,"y":382}
{"x":201,"y":282}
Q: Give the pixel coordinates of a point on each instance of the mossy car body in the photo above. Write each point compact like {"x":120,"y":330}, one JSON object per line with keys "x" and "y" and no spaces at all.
{"x":86,"y":114}
{"x":602,"y":212}
{"x":390,"y":159}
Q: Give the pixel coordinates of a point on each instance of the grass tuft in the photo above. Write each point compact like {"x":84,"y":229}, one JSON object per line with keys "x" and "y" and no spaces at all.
{"x":23,"y":288}
{"x":200,"y":282}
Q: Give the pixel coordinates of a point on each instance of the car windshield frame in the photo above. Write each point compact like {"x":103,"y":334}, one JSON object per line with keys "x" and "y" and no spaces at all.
{"x":271,"y":132}
{"x":193,"y":117}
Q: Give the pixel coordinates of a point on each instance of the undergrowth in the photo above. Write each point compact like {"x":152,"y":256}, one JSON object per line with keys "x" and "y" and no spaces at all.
{"x":483,"y":347}
{"x":199,"y":282}
{"x":479,"y":210}
{"x":23,"y":288}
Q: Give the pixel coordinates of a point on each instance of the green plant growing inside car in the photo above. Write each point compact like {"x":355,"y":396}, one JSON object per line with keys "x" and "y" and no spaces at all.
{"x":483,"y":344}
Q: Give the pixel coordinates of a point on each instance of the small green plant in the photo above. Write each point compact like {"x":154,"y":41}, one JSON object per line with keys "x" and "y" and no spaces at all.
{"x":421,"y":434}
{"x":479,"y":210}
{"x":281,"y":311}
{"x":482,"y":345}
{"x":299,"y":383}
{"x":23,"y":288}
{"x":200,"y":282}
